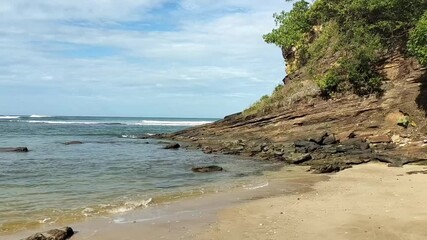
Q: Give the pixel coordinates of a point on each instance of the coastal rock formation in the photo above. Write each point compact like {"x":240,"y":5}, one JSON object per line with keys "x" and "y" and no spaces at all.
{"x":207,"y":169}
{"x":54,"y":234}
{"x":337,"y":133}
{"x":17,"y":149}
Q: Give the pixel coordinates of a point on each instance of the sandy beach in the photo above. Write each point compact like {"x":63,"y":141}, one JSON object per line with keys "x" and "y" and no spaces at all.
{"x":369,"y":201}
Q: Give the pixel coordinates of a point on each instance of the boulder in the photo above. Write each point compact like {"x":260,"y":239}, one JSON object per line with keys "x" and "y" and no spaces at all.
{"x":319,"y":138}
{"x":73,"y":143}
{"x":298,"y":158}
{"x":207,"y":169}
{"x":329,"y":168}
{"x":330,"y":139}
{"x":305,"y":146}
{"x":17,"y":149}
{"x":172,"y":146}
{"x":54,"y":234}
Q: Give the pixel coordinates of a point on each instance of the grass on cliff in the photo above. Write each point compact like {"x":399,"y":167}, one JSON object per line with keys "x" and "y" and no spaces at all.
{"x":282,"y":96}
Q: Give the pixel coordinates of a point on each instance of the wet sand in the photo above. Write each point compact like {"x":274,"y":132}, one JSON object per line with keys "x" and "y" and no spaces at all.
{"x":187,"y":219}
{"x":368,"y":201}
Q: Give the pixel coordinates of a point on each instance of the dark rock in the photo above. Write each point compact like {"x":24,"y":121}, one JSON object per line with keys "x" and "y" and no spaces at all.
{"x":298,"y":158}
{"x":391,"y":160}
{"x":305,"y":146}
{"x":364,"y":146}
{"x":329,"y":140}
{"x":319,"y":139}
{"x":17,"y":149}
{"x":73,"y":143}
{"x":256,"y":149}
{"x":356,"y":144}
{"x":417,"y":172}
{"x":329,"y":168}
{"x":344,"y":148}
{"x":207,"y":169}
{"x":207,"y":150}
{"x":172,"y":146}
{"x":232,"y":115}
{"x":54,"y":234}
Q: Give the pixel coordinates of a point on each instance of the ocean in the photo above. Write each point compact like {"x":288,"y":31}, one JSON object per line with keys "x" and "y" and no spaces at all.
{"x":112,"y":172}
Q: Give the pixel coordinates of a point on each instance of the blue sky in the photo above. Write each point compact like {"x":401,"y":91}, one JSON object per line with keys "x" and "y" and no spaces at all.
{"x":184,"y":58}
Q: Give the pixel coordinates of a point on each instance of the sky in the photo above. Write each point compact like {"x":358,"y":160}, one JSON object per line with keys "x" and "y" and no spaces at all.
{"x":146,"y":58}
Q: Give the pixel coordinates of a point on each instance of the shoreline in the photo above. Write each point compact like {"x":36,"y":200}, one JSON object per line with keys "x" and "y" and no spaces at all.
{"x":369,"y":201}
{"x":199,"y":212}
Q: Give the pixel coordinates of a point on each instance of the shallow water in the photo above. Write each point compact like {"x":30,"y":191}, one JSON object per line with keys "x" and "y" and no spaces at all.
{"x":112,"y":172}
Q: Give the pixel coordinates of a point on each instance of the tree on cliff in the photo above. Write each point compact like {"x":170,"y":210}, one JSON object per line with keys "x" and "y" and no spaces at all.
{"x":352,"y":36}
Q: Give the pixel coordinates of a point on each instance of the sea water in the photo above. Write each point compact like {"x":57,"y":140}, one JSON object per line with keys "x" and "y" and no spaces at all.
{"x":115,"y":170}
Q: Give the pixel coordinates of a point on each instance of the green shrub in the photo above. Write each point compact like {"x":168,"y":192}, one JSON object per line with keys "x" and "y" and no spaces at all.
{"x":417,"y":45}
{"x":328,"y":82}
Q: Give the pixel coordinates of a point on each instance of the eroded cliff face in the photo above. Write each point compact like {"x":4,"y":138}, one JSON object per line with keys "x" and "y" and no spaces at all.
{"x":393,"y":124}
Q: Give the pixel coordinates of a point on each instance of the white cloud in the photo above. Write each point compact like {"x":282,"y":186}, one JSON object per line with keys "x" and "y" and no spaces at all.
{"x":43,"y":45}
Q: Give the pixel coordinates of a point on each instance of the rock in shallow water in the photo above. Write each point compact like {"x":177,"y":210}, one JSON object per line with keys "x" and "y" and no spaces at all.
{"x":207,"y":169}
{"x":172,"y":146}
{"x":17,"y":149}
{"x":73,"y":143}
{"x":54,"y":234}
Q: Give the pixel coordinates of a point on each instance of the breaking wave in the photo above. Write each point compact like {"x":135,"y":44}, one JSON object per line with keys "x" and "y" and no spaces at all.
{"x":172,"y":123}
{"x":39,"y":116}
{"x":140,"y":123}
{"x":9,"y":117}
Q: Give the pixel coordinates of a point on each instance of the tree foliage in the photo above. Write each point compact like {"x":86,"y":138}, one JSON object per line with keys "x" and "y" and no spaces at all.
{"x":354,"y":34}
{"x":292,"y":28}
{"x":417,"y":44}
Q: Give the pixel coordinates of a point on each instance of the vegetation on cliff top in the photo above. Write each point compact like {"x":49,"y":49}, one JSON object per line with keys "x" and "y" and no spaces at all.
{"x":341,"y":42}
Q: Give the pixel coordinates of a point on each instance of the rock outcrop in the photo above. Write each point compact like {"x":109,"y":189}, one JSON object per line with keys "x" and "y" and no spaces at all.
{"x":16,"y":149}
{"x":331,"y":134}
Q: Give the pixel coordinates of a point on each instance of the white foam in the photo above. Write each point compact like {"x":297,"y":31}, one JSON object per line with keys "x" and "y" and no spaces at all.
{"x":9,"y":117}
{"x":129,"y":136}
{"x":63,"y":122}
{"x":171,"y":123}
{"x":39,"y":116}
{"x":129,"y":206}
{"x":88,"y":212}
{"x":256,"y":187}
{"x":44,"y":220}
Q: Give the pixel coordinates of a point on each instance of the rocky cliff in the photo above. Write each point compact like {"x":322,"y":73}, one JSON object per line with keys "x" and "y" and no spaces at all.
{"x":352,"y":93}
{"x":331,"y":134}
